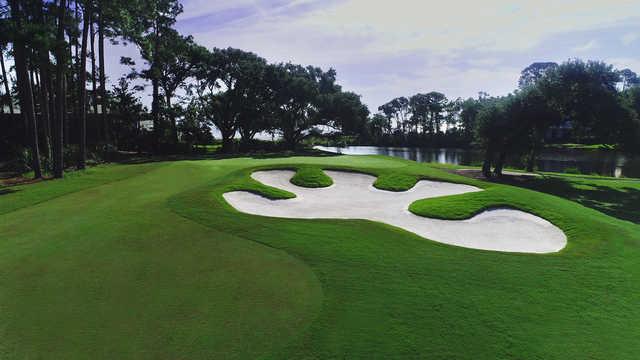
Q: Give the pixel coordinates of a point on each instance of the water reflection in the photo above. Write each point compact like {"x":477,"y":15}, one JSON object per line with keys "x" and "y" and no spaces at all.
{"x":557,"y":160}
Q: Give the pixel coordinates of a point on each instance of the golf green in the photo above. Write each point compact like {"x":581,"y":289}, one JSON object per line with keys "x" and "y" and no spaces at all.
{"x":149,"y":261}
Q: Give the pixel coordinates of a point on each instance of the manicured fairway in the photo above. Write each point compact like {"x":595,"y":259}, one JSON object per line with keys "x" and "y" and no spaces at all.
{"x":148,"y":261}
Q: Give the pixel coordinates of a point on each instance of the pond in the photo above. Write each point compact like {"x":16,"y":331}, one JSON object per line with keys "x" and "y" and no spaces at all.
{"x":607,"y":163}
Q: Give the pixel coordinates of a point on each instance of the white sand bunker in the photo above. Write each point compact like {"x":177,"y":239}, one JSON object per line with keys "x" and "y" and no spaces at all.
{"x":352,"y":196}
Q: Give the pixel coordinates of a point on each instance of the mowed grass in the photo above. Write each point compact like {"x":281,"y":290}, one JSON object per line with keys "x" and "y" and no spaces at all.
{"x":158,"y":265}
{"x":75,"y":181}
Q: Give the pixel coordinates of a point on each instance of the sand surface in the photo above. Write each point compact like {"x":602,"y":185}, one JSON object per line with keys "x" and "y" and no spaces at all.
{"x":352,"y":196}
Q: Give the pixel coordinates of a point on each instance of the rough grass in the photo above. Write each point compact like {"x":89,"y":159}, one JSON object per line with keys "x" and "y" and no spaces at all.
{"x":158,"y":265}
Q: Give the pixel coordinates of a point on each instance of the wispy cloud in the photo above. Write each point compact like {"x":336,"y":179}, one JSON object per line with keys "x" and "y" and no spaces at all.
{"x":591,"y":45}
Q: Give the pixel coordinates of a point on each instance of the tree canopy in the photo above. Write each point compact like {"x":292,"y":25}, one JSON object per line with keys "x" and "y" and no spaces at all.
{"x":242,"y":95}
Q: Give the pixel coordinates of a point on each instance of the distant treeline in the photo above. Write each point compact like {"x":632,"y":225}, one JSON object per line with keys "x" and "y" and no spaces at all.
{"x":590,"y":102}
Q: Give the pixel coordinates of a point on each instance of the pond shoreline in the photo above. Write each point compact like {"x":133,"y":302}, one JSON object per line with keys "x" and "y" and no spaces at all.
{"x":572,"y":160}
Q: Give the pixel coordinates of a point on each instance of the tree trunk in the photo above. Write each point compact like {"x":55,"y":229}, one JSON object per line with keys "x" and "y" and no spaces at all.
{"x":290,"y":140}
{"x":497,"y":170}
{"x":76,"y":41}
{"x":94,"y":94}
{"x":155,"y":102}
{"x":227,"y":140}
{"x":34,"y":87}
{"x":70,"y":97}
{"x":486,"y":163}
{"x":36,"y":75}
{"x":82,"y":96}
{"x":44,"y":103}
{"x":71,"y":106}
{"x":58,"y":157}
{"x":174,"y":125}
{"x":533,"y":153}
{"x":24,"y":89}
{"x":52,"y":105}
{"x":246,"y":136}
{"x":155,"y":113}
{"x":227,"y":131}
{"x":226,"y":144}
{"x":103,"y":77}
{"x":45,"y":86}
{"x":531,"y":160}
{"x":5,"y":80}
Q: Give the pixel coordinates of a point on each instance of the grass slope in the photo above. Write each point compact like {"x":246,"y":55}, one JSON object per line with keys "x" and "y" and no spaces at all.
{"x":111,"y":272}
{"x":74,"y":181}
{"x":160,"y":266}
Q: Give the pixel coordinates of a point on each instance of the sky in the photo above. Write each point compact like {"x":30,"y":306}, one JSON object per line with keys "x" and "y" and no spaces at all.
{"x":386,"y":49}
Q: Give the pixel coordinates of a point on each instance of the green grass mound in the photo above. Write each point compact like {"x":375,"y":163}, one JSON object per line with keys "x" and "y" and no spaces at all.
{"x":258,"y":188}
{"x":395,"y":182}
{"x":311,"y":177}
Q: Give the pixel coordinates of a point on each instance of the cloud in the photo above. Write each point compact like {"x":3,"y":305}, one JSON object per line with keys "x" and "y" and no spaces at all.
{"x":387,"y":49}
{"x":203,"y":8}
{"x":405,"y":25}
{"x":380,"y":79}
{"x":492,"y":24}
{"x":625,"y":63}
{"x":628,"y":38}
{"x":592,"y":44}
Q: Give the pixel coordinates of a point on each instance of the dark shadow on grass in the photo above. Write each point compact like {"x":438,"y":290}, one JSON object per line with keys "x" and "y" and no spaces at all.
{"x":7,"y":191}
{"x":622,"y":203}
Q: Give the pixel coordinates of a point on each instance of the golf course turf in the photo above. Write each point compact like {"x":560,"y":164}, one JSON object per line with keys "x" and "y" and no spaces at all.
{"x":149,"y":261}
